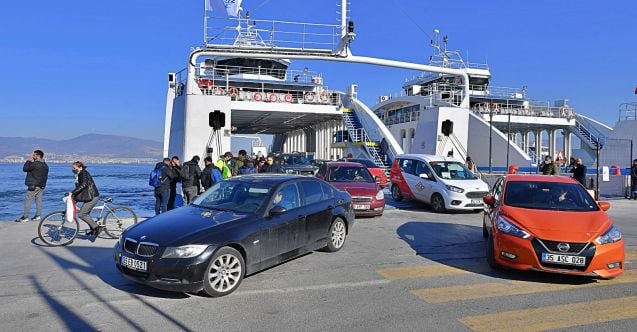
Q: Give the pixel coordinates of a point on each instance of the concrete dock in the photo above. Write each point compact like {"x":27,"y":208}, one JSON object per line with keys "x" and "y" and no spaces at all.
{"x":408,"y":270}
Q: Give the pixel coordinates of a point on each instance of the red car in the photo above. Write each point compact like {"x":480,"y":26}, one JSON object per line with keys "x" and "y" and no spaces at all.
{"x":377,"y":172}
{"x":367,"y":196}
{"x":551,"y":224}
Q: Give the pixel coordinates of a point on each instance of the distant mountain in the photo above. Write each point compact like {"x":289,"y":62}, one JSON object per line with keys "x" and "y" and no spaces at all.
{"x":94,"y":146}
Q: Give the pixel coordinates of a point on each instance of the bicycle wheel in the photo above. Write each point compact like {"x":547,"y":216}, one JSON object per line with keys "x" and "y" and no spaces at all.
{"x":118,"y":219}
{"x":55,"y":231}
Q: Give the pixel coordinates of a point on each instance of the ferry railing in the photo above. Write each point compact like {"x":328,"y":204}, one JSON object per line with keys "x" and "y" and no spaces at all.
{"x":247,"y":92}
{"x":271,"y":33}
{"x":524,"y":110}
{"x":205,"y":71}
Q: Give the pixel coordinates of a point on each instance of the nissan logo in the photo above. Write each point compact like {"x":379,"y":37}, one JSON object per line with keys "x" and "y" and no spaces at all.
{"x":563,"y":247}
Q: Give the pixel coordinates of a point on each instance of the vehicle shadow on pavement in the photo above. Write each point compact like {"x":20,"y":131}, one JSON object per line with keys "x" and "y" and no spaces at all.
{"x":463,"y":247}
{"x":98,"y":261}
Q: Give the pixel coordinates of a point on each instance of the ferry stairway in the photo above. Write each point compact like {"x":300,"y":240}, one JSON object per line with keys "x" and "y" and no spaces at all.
{"x":592,"y":140}
{"x":358,"y":135}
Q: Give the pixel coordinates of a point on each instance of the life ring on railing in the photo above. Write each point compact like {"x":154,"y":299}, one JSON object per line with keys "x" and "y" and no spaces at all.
{"x":495,"y":107}
{"x":324,"y":97}
{"x":219,"y":91}
{"x":233,"y":92}
{"x":257,"y":96}
{"x":287,"y":98}
{"x":309,"y":97}
{"x":570,"y":113}
{"x":272,"y":97}
{"x":204,"y":84}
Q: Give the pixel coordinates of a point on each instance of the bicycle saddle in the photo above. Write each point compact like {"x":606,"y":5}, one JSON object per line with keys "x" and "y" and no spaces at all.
{"x":107,"y":200}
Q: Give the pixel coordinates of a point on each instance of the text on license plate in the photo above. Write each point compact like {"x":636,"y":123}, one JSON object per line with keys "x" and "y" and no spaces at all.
{"x":133,"y":264}
{"x":476,"y":201}
{"x":361,"y":207}
{"x":563,"y":259}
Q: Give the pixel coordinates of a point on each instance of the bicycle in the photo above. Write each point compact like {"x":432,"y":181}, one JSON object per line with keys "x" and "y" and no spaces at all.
{"x":55,"y":230}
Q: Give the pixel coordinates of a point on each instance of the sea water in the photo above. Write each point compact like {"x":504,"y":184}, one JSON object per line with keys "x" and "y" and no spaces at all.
{"x":127,"y":184}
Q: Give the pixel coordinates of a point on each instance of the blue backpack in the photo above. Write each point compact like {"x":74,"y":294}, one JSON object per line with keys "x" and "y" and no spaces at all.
{"x":155,"y":177}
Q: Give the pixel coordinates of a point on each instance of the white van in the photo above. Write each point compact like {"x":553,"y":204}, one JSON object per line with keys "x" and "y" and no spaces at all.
{"x":442,"y":182}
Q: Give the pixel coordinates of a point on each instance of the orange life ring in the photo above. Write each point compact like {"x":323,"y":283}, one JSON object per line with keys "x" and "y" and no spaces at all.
{"x":324,"y":96}
{"x":288,"y":98}
{"x":272,"y":97}
{"x":309,"y":97}
{"x":257,"y":96}
{"x":233,"y":92}
{"x":496,"y":107}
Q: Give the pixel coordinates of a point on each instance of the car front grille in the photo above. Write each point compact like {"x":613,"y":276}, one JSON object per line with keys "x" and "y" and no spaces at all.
{"x":141,"y":249}
{"x":575,"y":247}
{"x":361,"y":199}
{"x":476,"y":194}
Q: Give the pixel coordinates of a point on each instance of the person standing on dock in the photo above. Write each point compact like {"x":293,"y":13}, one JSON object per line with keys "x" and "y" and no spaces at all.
{"x":548,"y":167}
{"x":175,"y":168}
{"x":270,"y":166}
{"x":239,"y":162}
{"x":37,"y":174}
{"x":162,"y":189}
{"x":222,"y":164}
{"x":210,"y":175}
{"x":579,"y":172}
{"x":190,"y":179}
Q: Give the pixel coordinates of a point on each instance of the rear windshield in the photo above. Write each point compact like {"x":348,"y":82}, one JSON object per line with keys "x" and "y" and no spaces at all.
{"x":294,"y":160}
{"x":451,"y":170}
{"x":549,"y":196}
{"x":349,"y":174}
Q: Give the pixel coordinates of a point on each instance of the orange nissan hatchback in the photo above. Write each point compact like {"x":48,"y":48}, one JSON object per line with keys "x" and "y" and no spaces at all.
{"x":551,"y":224}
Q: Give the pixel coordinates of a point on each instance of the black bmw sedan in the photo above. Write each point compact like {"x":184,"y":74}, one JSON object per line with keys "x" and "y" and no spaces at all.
{"x":239,"y":226}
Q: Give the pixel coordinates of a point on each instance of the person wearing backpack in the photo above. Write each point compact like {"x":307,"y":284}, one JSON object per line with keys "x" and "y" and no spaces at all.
{"x":190,"y":179}
{"x":247,"y":168}
{"x":210,"y":175}
{"x":160,"y":179}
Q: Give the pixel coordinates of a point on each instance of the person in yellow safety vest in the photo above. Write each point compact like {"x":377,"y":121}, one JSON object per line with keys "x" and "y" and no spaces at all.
{"x":222,"y":164}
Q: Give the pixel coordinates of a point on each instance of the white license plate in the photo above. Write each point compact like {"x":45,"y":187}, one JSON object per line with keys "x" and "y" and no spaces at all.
{"x":133,"y":264}
{"x":563,"y":259}
{"x":476,"y":201}
{"x":361,"y":207}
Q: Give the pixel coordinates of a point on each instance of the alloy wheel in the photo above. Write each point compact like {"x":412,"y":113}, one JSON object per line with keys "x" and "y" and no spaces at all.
{"x":225,"y":273}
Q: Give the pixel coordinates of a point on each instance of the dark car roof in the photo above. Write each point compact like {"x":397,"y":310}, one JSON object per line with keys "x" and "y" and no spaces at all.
{"x":540,"y":178}
{"x":344,"y":163}
{"x":269,"y":178}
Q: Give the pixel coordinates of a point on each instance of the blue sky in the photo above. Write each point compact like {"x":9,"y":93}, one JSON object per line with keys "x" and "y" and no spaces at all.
{"x":74,"y":67}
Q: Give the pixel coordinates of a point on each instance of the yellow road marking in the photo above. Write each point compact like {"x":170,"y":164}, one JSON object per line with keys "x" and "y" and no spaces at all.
{"x":427,"y":271}
{"x":555,"y":317}
{"x":488,"y":290}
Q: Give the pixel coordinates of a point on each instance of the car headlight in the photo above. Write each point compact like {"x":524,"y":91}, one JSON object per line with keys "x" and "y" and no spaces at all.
{"x":380,"y":195}
{"x":508,"y":228}
{"x":187,"y":251}
{"x":613,"y":234}
{"x":455,"y":189}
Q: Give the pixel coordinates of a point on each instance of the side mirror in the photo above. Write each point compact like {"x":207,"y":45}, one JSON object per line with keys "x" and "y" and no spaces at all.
{"x":488,"y":200}
{"x":605,"y":206}
{"x":424,"y":176}
{"x":277,"y":210}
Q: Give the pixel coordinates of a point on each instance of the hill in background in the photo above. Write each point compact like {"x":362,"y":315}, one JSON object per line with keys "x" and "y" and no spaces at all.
{"x":90,"y":148}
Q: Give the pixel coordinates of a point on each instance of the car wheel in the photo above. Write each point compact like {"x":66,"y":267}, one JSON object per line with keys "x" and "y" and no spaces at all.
{"x":437,"y":203}
{"x":485,"y":231}
{"x":336,"y":236}
{"x":224,"y":273}
{"x":395,"y":193}
{"x":491,"y":254}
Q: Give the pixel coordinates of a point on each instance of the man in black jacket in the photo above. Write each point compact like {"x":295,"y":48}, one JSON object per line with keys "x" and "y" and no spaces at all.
{"x":210,"y":175}
{"x":579,"y":172}
{"x":190,"y":180}
{"x":270,"y":166}
{"x":633,"y":179}
{"x":175,"y":168}
{"x":37,"y":174}
{"x":162,"y":192}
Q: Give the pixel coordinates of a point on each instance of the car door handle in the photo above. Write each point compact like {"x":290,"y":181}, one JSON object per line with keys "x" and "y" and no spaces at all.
{"x":302,"y":217}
